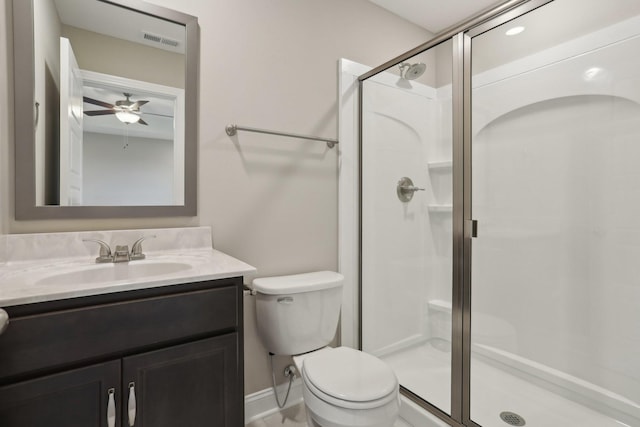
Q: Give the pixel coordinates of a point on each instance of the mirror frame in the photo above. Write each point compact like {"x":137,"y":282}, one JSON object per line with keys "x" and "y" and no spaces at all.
{"x":24,"y":119}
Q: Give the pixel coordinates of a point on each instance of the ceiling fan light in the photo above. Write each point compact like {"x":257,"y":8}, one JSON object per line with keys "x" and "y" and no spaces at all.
{"x":127,"y":117}
{"x":514,"y":31}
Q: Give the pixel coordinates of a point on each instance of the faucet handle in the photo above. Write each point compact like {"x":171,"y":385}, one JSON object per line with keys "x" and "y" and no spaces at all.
{"x":136,"y":248}
{"x":105,"y":250}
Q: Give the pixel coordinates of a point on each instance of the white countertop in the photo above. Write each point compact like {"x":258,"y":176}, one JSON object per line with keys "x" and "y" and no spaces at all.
{"x":27,"y":282}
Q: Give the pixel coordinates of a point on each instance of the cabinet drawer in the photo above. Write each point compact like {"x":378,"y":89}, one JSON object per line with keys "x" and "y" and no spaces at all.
{"x":61,"y":338}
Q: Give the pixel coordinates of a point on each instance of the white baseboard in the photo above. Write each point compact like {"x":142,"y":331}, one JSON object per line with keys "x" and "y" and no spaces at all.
{"x":263,"y":403}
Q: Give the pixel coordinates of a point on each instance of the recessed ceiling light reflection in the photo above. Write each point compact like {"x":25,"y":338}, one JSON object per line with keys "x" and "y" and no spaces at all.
{"x":592,"y":73}
{"x":515,"y":30}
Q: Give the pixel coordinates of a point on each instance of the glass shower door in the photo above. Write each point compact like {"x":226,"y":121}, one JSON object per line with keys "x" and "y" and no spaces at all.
{"x":406,"y":222}
{"x":555,"y":279}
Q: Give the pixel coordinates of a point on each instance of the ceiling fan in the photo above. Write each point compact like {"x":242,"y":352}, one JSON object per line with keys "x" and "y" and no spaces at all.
{"x":126,"y":110}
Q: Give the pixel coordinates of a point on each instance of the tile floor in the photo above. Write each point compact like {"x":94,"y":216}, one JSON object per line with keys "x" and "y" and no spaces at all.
{"x":294,"y":416}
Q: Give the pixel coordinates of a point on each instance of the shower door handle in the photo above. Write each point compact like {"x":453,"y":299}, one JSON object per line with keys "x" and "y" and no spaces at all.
{"x":472,"y":228}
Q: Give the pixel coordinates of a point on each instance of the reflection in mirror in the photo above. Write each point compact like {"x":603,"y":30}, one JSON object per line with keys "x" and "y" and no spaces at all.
{"x":133,"y":132}
{"x":123,"y":144}
{"x":113,"y":89}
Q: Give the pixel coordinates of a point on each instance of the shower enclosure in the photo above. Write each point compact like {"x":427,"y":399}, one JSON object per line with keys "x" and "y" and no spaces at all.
{"x":500,"y":216}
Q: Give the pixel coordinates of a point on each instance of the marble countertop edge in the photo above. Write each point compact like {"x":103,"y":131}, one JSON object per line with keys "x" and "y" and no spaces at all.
{"x":19,"y":280}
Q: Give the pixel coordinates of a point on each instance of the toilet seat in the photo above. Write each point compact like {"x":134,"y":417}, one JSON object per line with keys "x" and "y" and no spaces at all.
{"x":349,"y":378}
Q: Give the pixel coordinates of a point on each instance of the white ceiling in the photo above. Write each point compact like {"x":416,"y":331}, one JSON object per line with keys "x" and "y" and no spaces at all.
{"x":435,"y":15}
{"x":548,"y":26}
{"x":545,"y":27}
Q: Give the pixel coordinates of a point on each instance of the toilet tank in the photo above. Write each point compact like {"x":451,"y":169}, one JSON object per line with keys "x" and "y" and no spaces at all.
{"x":298,"y":313}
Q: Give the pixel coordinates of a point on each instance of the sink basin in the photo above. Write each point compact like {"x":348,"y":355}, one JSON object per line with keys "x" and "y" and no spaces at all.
{"x":100,"y":273}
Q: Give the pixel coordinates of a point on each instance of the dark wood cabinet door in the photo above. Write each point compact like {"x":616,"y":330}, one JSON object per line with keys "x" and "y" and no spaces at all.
{"x":75,"y":398}
{"x":191,"y":385}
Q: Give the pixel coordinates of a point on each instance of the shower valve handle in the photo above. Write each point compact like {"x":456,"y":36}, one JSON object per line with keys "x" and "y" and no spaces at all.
{"x":405,"y":189}
{"x":411,"y":188}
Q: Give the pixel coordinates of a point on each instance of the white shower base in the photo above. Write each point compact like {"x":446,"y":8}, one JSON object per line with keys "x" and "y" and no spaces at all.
{"x":426,"y":371}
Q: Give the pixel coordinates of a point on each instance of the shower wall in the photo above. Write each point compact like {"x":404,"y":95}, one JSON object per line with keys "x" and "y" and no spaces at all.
{"x":408,"y":255}
{"x":406,"y":245}
{"x":395,"y":272}
{"x":555,"y":191}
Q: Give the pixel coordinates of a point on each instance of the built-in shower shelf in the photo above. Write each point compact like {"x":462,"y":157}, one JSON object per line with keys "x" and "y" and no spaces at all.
{"x":440,"y":208}
{"x":440,"y":305}
{"x":440,"y":166}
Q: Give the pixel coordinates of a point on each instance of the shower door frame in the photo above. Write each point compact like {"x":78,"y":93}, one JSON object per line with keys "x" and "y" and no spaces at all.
{"x":462,"y":219}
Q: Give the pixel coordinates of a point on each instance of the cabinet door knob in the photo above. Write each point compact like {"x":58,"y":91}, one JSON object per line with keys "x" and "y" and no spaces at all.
{"x":111,"y":408}
{"x":131,"y":406}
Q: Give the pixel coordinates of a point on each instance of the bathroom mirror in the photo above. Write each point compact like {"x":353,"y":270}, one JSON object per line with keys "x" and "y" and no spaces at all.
{"x":105,"y":109}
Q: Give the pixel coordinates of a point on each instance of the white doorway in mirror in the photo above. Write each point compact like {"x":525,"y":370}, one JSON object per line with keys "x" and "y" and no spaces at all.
{"x":134,"y":141}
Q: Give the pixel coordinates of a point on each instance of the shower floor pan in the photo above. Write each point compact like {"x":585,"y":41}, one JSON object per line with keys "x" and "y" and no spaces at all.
{"x":425,"y":370}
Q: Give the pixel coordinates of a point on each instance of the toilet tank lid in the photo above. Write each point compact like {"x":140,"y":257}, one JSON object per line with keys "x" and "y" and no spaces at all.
{"x":297,"y":283}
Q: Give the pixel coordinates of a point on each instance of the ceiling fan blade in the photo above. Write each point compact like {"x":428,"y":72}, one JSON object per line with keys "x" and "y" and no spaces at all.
{"x":142,"y":122}
{"x":96,"y":102}
{"x":99,"y":112}
{"x":146,"y":113}
{"x":138,"y":104}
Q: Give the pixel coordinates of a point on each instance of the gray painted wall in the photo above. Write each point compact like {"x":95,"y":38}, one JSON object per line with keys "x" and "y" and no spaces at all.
{"x":122,"y":58}
{"x":126,"y":170}
{"x":271,"y":202}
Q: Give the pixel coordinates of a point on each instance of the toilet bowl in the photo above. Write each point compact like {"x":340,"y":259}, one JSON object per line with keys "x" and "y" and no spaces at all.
{"x":343,"y":387}
{"x":298,"y":315}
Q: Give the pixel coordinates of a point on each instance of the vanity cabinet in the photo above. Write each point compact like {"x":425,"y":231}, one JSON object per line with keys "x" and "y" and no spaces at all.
{"x":184,"y":385}
{"x":75,"y":398}
{"x":169,"y":356}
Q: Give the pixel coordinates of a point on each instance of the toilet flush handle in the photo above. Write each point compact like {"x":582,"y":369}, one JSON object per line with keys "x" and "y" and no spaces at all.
{"x":285,"y":300}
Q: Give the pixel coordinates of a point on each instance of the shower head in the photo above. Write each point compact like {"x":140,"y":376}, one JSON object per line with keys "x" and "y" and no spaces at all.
{"x":411,"y":71}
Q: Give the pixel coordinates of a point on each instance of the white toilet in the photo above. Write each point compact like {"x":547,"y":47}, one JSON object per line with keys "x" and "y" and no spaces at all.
{"x":342,"y":387}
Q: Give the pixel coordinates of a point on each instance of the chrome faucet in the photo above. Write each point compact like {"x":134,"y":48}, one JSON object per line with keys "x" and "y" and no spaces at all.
{"x":105,"y":251}
{"x":121,"y":253}
{"x":136,"y":248}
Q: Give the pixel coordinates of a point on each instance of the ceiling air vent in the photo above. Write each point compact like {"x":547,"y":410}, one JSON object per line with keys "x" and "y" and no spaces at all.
{"x":159,"y":39}
{"x":169,"y":42}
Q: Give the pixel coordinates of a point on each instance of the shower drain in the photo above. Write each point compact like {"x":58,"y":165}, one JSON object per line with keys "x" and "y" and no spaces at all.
{"x":512,"y":418}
